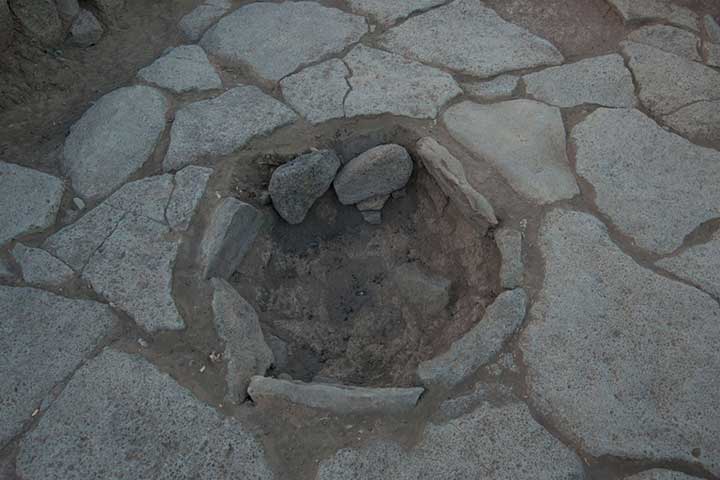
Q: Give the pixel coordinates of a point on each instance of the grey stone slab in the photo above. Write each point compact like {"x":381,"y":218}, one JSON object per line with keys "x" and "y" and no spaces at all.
{"x":470,"y":38}
{"x":39,"y":267}
{"x":698,"y":121}
{"x":523,"y":139}
{"x":479,"y":345}
{"x":660,"y":474}
{"x":296,"y":185}
{"x":113,"y":139}
{"x":183,"y":69}
{"x":378,"y":171}
{"x":202,"y":17}
{"x":120,"y":414}
{"x":668,"y":82}
{"x":238,"y":326}
{"x":499,"y":87}
{"x":492,"y":443}
{"x":670,"y":39}
{"x":599,"y":80}
{"x":221,"y":125}
{"x":340,"y":399}
{"x":699,"y":264}
{"x":712,"y":54}
{"x":148,"y":197}
{"x":510,"y":243}
{"x":382,"y":82}
{"x":85,"y":30}
{"x":29,"y":200}
{"x":318,"y":92}
{"x":190,"y":185}
{"x":39,"y":19}
{"x":133,"y":270}
{"x":230,"y":234}
{"x":449,"y":174}
{"x":620,"y":358}
{"x":655,"y":186}
{"x":249,"y":36}
{"x":711,"y":29}
{"x":387,"y":12}
{"x":655,"y":10}
{"x":43,"y":338}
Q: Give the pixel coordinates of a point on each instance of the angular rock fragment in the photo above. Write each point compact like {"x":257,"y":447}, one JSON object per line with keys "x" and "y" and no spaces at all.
{"x":195,"y":23}
{"x":39,"y":267}
{"x":655,"y":10}
{"x":296,"y":185}
{"x":182,"y":69}
{"x":509,"y":242}
{"x":39,"y":19}
{"x":85,"y":30}
{"x":388,"y":12}
{"x":478,"y":346}
{"x":318,"y":92}
{"x":499,"y":87}
{"x":378,"y":171}
{"x":190,"y":184}
{"x":340,"y":399}
{"x":373,"y":217}
{"x":699,"y":264}
{"x":670,"y":39}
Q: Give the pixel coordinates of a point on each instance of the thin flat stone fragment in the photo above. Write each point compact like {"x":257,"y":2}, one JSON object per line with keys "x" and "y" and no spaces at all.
{"x":182,"y":69}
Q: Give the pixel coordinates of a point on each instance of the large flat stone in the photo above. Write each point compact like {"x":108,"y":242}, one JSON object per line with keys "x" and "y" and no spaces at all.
{"x":699,"y":264}
{"x":120,"y":414}
{"x":598,"y":80}
{"x":113,"y":139}
{"x":670,"y":39}
{"x":655,"y":186}
{"x":655,"y":10}
{"x":182,"y":69}
{"x":310,"y":31}
{"x":668,"y":82}
{"x":492,"y":443}
{"x":698,"y":121}
{"x":29,"y":200}
{"x":223,"y":124}
{"x":387,"y":12}
{"x":202,"y":17}
{"x":43,"y":338}
{"x":382,"y":82}
{"x":190,"y":185}
{"x":318,"y":92}
{"x":470,"y":38}
{"x":619,"y":358}
{"x":39,"y":267}
{"x":523,"y":139}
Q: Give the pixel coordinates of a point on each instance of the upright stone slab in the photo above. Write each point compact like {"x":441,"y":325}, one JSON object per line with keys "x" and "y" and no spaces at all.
{"x":655,"y":10}
{"x":182,"y":69}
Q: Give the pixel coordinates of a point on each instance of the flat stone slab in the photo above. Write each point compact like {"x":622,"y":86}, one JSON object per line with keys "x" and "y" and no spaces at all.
{"x":29,"y":200}
{"x":523,"y":139}
{"x":493,"y":442}
{"x":143,"y":425}
{"x":655,"y":186}
{"x":699,"y":265}
{"x":478,"y":346}
{"x":223,"y":124}
{"x":238,"y":326}
{"x":501,"y":86}
{"x":620,"y":358}
{"x":698,"y":121}
{"x":340,"y":399}
{"x":382,"y":82}
{"x":387,"y":12}
{"x":310,"y":32}
{"x":670,"y":39}
{"x":510,"y":243}
{"x":668,"y":82}
{"x":655,"y":10}
{"x":190,"y":185}
{"x":39,"y":267}
{"x":43,"y":338}
{"x":182,"y":69}
{"x":598,"y":80}
{"x":202,"y":17}
{"x":318,"y":92}
{"x":147,"y":197}
{"x":470,"y":38}
{"x":660,"y":474}
{"x":113,"y":139}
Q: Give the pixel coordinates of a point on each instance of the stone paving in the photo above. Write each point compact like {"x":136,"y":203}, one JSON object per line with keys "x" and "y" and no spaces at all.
{"x":597,"y":177}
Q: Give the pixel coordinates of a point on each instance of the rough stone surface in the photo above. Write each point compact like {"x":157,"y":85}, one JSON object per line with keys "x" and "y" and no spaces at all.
{"x":655,"y":10}
{"x":318,"y":92}
{"x":133,"y":270}
{"x":492,"y":443}
{"x":373,"y":203}
{"x":148,"y":197}
{"x":39,"y":267}
{"x":6,"y":272}
{"x":388,"y":12}
{"x":68,"y":8}
{"x":668,"y":82}
{"x":598,"y":80}
{"x":427,"y":292}
{"x":190,"y":184}
{"x":182,"y":69}
{"x":655,"y":186}
{"x":110,"y":10}
{"x":711,"y":28}
{"x":39,"y":19}
{"x":122,"y":415}
{"x":698,"y":121}
{"x":509,"y":242}
{"x":113,"y":139}
{"x":523,"y":139}
{"x":712,"y":54}
{"x":238,"y":326}
{"x":232,"y":230}
{"x":30,"y":200}
{"x":386,"y":83}
{"x":670,"y":39}
{"x":43,"y":338}
{"x":296,"y":185}
{"x":499,"y":87}
{"x":86,"y":30}
{"x":195,"y":23}
{"x":6,"y":26}
{"x":249,"y":36}
{"x":470,"y":38}
{"x":340,"y":399}
{"x":699,"y":264}
{"x":478,"y":346}
{"x":223,"y":124}
{"x":449,"y":174}
{"x":373,"y":217}
{"x":660,"y":474}
{"x":620,"y":358}
{"x":378,"y":171}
